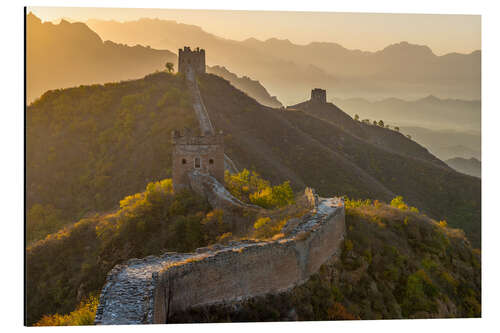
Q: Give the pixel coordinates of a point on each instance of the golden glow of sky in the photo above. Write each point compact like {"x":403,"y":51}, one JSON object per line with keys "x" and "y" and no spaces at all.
{"x":369,"y":32}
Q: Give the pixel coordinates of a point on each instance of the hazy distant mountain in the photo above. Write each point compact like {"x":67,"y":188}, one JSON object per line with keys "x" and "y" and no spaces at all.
{"x":383,"y":138}
{"x":251,"y":87}
{"x":289,"y":70}
{"x":429,"y":112}
{"x":447,"y":144}
{"x":70,"y":54}
{"x":469,"y":166}
{"x":447,"y":127}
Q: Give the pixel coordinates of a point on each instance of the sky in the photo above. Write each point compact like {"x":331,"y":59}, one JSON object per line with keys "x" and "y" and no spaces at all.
{"x":364,"y":31}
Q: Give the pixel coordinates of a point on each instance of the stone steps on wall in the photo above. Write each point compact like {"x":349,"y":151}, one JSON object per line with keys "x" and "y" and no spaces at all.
{"x":206,"y":126}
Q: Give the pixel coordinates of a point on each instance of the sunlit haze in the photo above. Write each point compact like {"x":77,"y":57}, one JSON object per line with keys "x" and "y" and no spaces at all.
{"x":370,"y":32}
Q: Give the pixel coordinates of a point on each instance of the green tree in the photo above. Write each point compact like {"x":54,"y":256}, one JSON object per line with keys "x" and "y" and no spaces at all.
{"x":170,"y":67}
{"x":381,"y":123}
{"x":356,"y":117}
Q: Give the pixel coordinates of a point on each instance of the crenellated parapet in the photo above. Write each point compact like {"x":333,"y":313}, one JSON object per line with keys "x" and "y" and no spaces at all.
{"x":318,"y":95}
{"x":194,"y":59}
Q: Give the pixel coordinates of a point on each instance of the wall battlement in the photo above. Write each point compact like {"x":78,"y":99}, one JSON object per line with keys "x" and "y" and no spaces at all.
{"x":318,"y":95}
{"x":194,"y":59}
{"x":145,"y":291}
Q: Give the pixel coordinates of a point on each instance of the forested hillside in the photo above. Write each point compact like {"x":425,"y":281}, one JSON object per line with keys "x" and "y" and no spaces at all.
{"x":87,"y":147}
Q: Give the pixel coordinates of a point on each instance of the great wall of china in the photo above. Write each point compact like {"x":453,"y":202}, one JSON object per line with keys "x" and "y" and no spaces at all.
{"x":202,"y":115}
{"x":145,"y":291}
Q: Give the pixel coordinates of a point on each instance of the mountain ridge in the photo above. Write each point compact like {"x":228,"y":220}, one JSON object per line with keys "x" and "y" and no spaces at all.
{"x":252,"y":87}
{"x":283,"y":67}
{"x":53,"y":48}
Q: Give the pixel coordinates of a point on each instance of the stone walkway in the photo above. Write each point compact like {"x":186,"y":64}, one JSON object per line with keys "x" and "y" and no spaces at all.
{"x":206,"y":126}
{"x":127,"y":296}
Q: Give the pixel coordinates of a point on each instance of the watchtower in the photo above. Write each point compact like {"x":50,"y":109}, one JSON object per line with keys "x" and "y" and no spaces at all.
{"x":318,"y":95}
{"x":194,"y":59}
{"x":202,"y":153}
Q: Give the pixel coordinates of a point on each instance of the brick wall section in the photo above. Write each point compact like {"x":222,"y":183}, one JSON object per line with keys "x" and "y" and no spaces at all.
{"x":143,"y":291}
{"x":249,"y":270}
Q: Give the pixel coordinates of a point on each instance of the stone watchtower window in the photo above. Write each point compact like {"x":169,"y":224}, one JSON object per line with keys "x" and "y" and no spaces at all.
{"x":183,"y":161}
{"x":197,"y":163}
{"x":211,"y":161}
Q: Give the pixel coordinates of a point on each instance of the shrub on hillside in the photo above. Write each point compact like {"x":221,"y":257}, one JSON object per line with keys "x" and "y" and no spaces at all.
{"x":273,"y":197}
{"x":265,"y":227}
{"x":249,"y":187}
{"x":83,"y":315}
{"x":413,"y":264}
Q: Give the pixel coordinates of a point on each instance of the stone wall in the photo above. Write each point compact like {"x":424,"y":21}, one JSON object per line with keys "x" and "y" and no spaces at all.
{"x":146,"y":291}
{"x":252,"y":269}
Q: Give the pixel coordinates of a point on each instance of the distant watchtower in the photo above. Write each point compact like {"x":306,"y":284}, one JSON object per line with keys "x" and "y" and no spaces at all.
{"x":318,"y":95}
{"x":194,"y":59}
{"x":202,"y":153}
